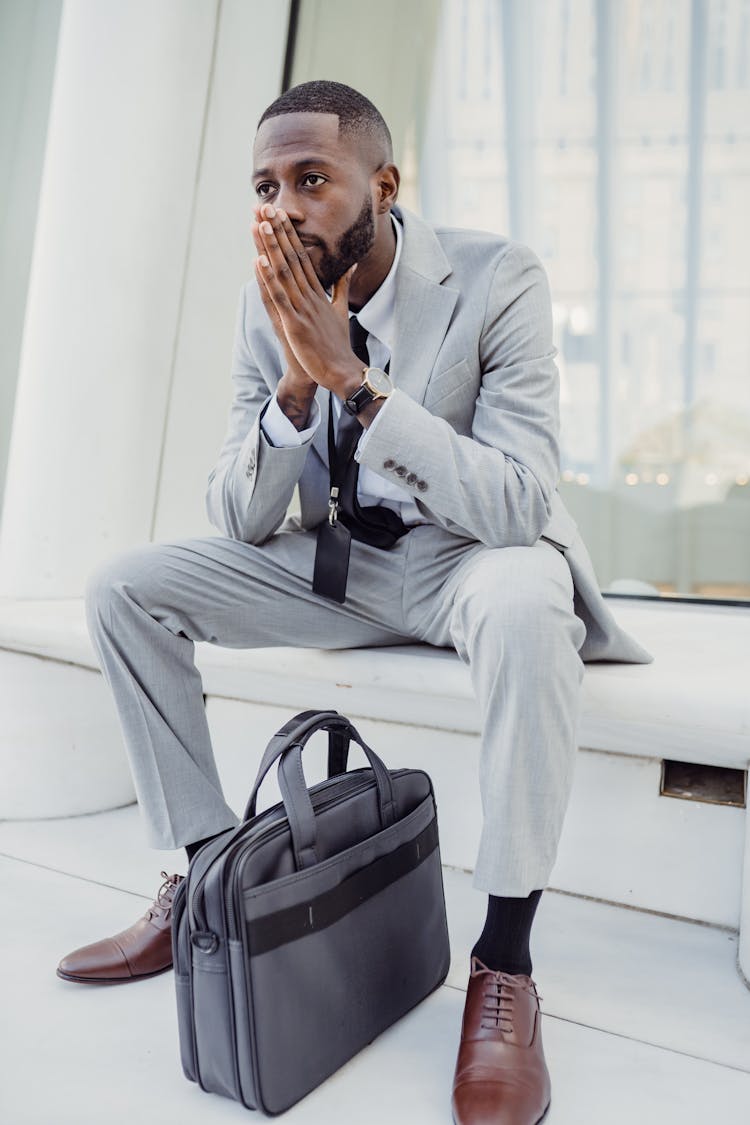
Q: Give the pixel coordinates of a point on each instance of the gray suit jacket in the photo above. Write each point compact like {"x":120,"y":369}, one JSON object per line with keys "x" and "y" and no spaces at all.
{"x":474,"y":417}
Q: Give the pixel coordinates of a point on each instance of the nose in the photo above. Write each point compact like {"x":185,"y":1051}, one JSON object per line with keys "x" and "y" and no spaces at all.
{"x":288,"y":200}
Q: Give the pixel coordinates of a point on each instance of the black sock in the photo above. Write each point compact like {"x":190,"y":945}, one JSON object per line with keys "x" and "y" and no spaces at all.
{"x":504,"y":942}
{"x":191,"y":849}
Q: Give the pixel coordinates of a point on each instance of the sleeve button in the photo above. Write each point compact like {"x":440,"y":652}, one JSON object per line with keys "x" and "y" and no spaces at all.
{"x":400,"y":470}
{"x":389,"y":463}
{"x":422,"y":485}
{"x":412,"y":478}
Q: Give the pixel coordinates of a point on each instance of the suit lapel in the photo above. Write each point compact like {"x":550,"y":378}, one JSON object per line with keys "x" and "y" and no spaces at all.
{"x":423,"y":311}
{"x":424,"y":307}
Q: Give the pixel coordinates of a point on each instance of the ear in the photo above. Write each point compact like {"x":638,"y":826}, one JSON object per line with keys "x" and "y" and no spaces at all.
{"x":386,"y":181}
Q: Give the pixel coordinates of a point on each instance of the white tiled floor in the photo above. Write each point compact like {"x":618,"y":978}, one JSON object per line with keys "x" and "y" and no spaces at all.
{"x":645,"y":1017}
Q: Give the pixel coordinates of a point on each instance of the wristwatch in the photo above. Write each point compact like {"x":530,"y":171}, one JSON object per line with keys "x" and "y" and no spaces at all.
{"x":376,"y":384}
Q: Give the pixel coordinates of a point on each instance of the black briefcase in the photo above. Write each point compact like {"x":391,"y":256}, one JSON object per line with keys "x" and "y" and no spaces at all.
{"x":313,"y":926}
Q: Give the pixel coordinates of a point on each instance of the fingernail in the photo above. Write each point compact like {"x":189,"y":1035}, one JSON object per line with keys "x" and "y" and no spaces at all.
{"x":282,"y":215}
{"x":263,"y":262}
{"x":266,"y":228}
{"x":270,"y":211}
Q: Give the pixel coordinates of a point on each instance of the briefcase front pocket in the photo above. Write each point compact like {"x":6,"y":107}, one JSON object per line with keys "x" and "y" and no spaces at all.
{"x":339,"y":952}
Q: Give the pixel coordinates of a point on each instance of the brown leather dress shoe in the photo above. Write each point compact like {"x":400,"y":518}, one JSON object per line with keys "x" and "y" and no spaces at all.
{"x":501,"y":1077}
{"x":143,"y":950}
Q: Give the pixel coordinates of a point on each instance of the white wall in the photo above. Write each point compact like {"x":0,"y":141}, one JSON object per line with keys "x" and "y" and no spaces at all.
{"x":141,"y":245}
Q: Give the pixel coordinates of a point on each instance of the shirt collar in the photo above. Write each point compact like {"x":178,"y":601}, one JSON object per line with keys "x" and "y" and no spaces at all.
{"x":376,"y":315}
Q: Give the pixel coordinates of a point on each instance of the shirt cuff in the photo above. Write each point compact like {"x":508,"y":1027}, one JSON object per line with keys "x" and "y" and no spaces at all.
{"x":282,"y":432}
{"x":366,"y":434}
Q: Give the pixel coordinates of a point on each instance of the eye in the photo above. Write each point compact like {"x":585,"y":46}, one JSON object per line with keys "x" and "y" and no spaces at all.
{"x":264,"y":189}
{"x":309,"y":176}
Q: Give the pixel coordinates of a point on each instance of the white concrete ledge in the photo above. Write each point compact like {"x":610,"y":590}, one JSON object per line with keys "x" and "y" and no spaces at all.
{"x":692,"y":703}
{"x":61,"y":751}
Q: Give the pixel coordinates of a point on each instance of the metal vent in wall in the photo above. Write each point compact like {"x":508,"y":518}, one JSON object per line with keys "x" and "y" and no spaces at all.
{"x":715,"y":784}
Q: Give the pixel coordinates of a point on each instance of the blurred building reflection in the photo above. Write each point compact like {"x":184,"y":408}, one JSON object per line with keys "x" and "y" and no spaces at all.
{"x":614,"y":139}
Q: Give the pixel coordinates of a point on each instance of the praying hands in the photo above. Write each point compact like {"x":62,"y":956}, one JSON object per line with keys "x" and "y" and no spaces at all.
{"x":312,"y":329}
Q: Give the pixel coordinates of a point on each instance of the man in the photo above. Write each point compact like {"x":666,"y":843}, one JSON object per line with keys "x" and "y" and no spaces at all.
{"x":428,"y":354}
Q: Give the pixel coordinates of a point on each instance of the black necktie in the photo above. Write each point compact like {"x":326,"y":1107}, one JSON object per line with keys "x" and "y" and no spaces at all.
{"x":349,"y":429}
{"x":374,"y":524}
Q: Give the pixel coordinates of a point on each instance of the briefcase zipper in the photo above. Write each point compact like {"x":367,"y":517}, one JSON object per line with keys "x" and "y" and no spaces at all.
{"x":237,"y":855}
{"x":277,"y":823}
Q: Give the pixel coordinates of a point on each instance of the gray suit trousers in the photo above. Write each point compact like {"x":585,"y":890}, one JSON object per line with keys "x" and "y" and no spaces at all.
{"x":507,"y":611}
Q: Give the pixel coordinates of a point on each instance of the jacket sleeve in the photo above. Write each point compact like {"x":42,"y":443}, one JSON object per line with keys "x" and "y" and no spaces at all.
{"x":251,"y":486}
{"x":495,"y":485}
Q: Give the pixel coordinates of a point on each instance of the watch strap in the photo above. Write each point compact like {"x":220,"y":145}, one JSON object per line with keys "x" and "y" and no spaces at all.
{"x":361,"y":398}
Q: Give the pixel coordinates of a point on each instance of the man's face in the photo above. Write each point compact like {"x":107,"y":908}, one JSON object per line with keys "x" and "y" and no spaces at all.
{"x":322,"y":182}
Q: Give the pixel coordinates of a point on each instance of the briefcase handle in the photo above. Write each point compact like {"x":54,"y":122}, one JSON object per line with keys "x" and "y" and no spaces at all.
{"x":286,"y":746}
{"x":338,"y":741}
{"x":293,"y":729}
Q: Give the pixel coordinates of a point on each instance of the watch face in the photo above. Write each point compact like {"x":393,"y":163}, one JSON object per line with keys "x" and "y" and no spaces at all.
{"x":379,"y":381}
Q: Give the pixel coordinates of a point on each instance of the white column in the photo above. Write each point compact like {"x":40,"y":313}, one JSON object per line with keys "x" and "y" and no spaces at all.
{"x":141,"y":245}
{"x":28,"y":48}
{"x":247,"y":77}
{"x":123,"y":151}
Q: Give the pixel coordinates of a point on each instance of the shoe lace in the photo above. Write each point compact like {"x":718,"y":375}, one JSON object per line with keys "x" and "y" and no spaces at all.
{"x":162,"y":904}
{"x":499,"y":996}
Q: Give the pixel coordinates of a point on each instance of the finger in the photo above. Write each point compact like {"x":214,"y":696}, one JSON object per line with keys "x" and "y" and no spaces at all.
{"x":340,"y":299}
{"x":279,"y":265}
{"x":274,"y":287}
{"x":271,"y":311}
{"x":281,"y":230}
{"x":259,"y":212}
{"x":300,"y":251}
{"x":265,"y":296}
{"x":284,"y":227}
{"x":254,"y":230}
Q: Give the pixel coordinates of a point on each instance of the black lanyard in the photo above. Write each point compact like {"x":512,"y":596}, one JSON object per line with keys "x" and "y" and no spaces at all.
{"x":341,"y":452}
{"x":339,"y":455}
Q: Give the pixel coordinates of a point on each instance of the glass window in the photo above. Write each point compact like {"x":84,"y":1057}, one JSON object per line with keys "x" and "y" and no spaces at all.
{"x":613,"y":137}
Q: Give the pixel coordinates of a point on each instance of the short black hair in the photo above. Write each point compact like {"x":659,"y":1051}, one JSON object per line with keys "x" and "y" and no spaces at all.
{"x":355,"y":112}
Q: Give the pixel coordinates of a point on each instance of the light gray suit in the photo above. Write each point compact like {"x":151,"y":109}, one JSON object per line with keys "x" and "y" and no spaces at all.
{"x":500,"y":571}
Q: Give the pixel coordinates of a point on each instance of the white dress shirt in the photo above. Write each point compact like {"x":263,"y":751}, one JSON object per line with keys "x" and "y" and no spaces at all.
{"x":377,"y":317}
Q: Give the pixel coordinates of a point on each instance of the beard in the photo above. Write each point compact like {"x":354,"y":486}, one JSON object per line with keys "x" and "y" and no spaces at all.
{"x":351,"y":247}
